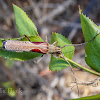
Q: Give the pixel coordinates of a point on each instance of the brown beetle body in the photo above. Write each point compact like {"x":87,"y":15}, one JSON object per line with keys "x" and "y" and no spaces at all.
{"x":39,"y":47}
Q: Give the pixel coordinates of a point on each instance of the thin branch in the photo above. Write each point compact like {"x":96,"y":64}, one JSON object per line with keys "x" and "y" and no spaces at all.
{"x":82,"y":67}
{"x":56,"y":11}
{"x":35,"y":9}
{"x":62,"y":56}
{"x":3,"y":4}
{"x":93,"y":83}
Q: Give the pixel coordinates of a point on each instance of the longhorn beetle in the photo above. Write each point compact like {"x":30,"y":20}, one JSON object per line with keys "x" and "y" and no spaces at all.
{"x":39,"y":47}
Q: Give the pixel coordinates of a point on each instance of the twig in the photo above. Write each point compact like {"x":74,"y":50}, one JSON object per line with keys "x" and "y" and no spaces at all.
{"x":56,"y":11}
{"x":45,"y":10}
{"x":3,"y":4}
{"x":35,"y":9}
{"x":82,"y":67}
{"x":93,"y":83}
{"x":62,"y":56}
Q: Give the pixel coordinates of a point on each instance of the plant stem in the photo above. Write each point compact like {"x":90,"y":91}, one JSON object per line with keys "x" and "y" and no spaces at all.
{"x":82,"y":67}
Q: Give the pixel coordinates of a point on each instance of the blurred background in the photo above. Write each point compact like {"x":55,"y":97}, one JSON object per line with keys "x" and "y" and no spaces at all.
{"x":35,"y":81}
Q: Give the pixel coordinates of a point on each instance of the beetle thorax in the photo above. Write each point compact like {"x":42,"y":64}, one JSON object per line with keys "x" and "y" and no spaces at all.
{"x":54,"y":50}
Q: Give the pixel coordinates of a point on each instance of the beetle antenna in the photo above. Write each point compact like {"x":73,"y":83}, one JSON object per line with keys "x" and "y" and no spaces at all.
{"x":81,"y":43}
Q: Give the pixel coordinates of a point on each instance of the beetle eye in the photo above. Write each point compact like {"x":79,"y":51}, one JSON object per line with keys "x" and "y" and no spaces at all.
{"x":58,"y":52}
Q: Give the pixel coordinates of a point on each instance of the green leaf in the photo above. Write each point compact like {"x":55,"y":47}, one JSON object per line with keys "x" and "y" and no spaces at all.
{"x":68,"y":51}
{"x":9,"y":89}
{"x":20,"y":55}
{"x":95,"y":97}
{"x":92,"y":49}
{"x":24,"y":24}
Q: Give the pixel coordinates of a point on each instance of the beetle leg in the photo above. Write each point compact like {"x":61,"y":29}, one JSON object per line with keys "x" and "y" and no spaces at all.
{"x":36,"y":60}
{"x":55,"y":43}
{"x":25,"y":37}
{"x":46,"y":39}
